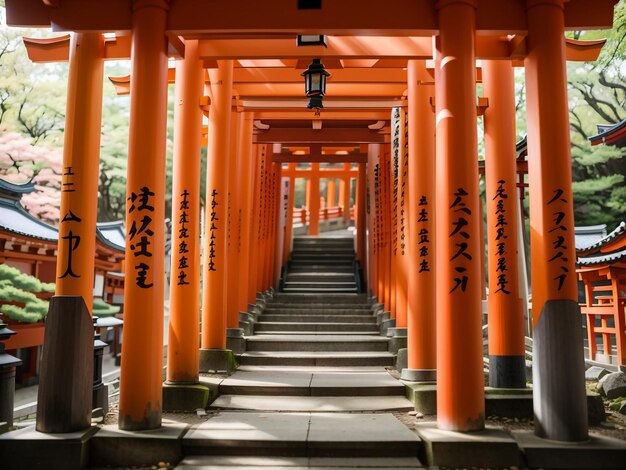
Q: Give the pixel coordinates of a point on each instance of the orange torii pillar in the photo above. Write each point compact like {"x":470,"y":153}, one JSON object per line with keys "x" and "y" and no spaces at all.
{"x":507,"y":362}
{"x":272,"y":208}
{"x":280,"y":218}
{"x":460,"y":385}
{"x":378,"y":223}
{"x":142,"y":361}
{"x":558,"y":372}
{"x":400,"y":202}
{"x":289,"y":220}
{"x":330,"y":192}
{"x":264,"y":221}
{"x":257,"y":168}
{"x":371,"y":239}
{"x":76,"y":247}
{"x":213,"y":353}
{"x":361,"y":235}
{"x":392,"y":211}
{"x":421,"y":296}
{"x":388,"y":274}
{"x":184,"y":324}
{"x":234,"y":190}
{"x":246,"y":186}
{"x":313,"y":200}
{"x":344,"y":193}
{"x":81,"y":157}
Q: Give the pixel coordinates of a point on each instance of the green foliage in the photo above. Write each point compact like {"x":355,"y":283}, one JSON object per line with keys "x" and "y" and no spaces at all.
{"x":101,"y":308}
{"x":19,"y":314}
{"x":13,"y":294}
{"x":20,"y":280}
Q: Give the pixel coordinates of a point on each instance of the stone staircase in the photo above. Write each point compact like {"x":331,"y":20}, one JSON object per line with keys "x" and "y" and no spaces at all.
{"x":321,"y":265}
{"x":312,"y":389}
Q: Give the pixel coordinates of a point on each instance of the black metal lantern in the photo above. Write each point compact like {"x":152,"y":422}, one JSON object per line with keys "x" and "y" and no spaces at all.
{"x":315,"y":83}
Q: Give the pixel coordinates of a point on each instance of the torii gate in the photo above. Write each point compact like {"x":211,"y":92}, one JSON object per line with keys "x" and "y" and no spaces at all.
{"x":463,"y":31}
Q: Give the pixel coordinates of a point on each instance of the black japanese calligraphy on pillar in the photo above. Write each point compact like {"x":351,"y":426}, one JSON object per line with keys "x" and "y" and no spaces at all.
{"x":423,"y":235}
{"x":377,"y":219}
{"x":140,"y":234}
{"x":67,"y":185}
{"x":501,"y":236}
{"x":460,"y":215}
{"x":558,"y":234}
{"x":403,"y":188}
{"x":183,"y":236}
{"x":72,"y":241}
{"x":214,"y":219}
{"x":396,"y":174}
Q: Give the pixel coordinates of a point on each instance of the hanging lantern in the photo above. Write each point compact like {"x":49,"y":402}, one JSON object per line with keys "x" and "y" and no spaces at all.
{"x":315,"y":83}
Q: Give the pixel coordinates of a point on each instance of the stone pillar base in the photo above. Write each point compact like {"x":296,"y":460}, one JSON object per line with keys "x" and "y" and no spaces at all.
{"x":217,"y":360}
{"x":386,"y":324}
{"x":402,"y":359}
{"x":235,"y":340}
{"x":419,"y":375}
{"x":396,"y":343}
{"x":185,"y":397}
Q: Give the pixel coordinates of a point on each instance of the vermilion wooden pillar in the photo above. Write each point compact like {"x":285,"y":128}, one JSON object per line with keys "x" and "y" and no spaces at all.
{"x":289,"y":221}
{"x":314,"y":200}
{"x":81,"y":157}
{"x":386,"y":212}
{"x":246,"y":187}
{"x":460,"y":383}
{"x":142,"y":361}
{"x":392,"y":210}
{"x":371,"y":239}
{"x":507,"y":363}
{"x":421,"y":295}
{"x":184,"y":321}
{"x":400,"y":200}
{"x":361,"y":235}
{"x":216,"y":216}
{"x":344,"y":193}
{"x":558,"y":362}
{"x":330,"y":193}
{"x":257,"y":167}
{"x":234,"y":195}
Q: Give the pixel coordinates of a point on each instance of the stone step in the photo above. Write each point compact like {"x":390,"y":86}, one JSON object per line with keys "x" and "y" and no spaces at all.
{"x":301,"y":434}
{"x":316,"y":343}
{"x":316,"y":290}
{"x":315,"y":318}
{"x":238,"y":462}
{"x":320,"y":285}
{"x":335,"y":404}
{"x":309,"y":383}
{"x":321,"y":258}
{"x":313,"y":327}
{"x":349,"y":250}
{"x":316,"y":268}
{"x":297,"y":242}
{"x":281,"y":307}
{"x":320,"y":277}
{"x":318,"y":359}
{"x":330,"y":298}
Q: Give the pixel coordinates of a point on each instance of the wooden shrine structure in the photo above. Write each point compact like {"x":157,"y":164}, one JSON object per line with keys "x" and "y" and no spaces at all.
{"x":410,"y":65}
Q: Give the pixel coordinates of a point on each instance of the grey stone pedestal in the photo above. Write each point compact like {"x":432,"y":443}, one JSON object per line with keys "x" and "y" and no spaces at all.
{"x":235,"y":340}
{"x":185,"y":397}
{"x":217,"y":360}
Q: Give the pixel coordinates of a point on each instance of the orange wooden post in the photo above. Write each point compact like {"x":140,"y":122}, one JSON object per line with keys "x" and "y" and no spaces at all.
{"x":262,"y":257}
{"x":388,"y":273}
{"x":246,"y":186}
{"x":379,"y":229}
{"x":184,"y":324}
{"x":344,"y":193}
{"x":507,"y":363}
{"x":460,"y":383}
{"x":142,"y":360}
{"x":81,"y":157}
{"x":257,"y":167}
{"x":279,"y":224}
{"x":216,"y":216}
{"x":331,"y":193}
{"x":557,"y":372}
{"x":392,"y":222}
{"x":421,"y":298}
{"x":361,"y":235}
{"x":372,"y":247}
{"x":234,"y":192}
{"x":289,"y":221}
{"x":400,"y":202}
{"x":314,"y":201}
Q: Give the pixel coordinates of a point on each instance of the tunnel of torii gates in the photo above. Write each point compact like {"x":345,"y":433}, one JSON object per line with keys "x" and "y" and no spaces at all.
{"x":411,"y":65}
